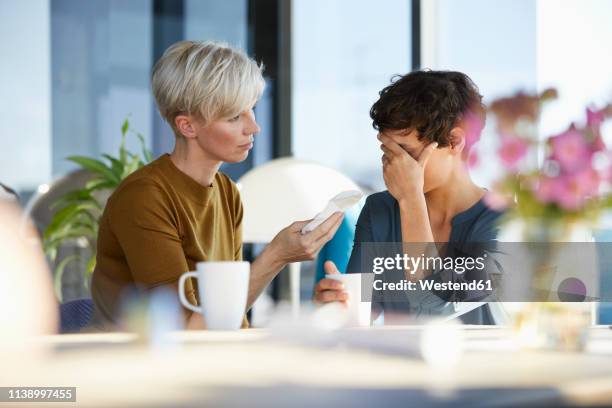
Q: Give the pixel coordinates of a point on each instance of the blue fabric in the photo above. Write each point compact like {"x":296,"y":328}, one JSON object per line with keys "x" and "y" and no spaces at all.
{"x":380,"y":221}
{"x":75,"y":315}
{"x":339,"y":248}
{"x":605,"y":276}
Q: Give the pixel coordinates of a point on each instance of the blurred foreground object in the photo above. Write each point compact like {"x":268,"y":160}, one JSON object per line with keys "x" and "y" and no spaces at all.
{"x":554,"y":190}
{"x":558,"y":179}
{"x":27,"y":304}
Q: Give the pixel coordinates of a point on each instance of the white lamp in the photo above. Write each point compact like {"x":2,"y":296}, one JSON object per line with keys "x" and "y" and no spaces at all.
{"x":283,"y":191}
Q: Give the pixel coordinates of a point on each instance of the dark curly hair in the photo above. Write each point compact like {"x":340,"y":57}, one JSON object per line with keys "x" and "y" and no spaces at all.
{"x":432,"y":102}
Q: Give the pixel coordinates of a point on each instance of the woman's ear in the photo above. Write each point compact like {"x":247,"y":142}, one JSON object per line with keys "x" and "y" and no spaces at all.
{"x":457,"y":140}
{"x":184,"y":124}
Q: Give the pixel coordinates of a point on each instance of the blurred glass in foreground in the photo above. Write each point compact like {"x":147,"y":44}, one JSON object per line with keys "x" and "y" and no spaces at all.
{"x":27,"y":305}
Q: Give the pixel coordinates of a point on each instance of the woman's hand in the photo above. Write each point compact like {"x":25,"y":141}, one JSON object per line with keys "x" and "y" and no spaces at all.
{"x":291,"y":246}
{"x":404,"y":176}
{"x":330,"y":290}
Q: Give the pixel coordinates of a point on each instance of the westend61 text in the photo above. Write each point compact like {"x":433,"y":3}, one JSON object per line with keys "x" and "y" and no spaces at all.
{"x":476,"y":285}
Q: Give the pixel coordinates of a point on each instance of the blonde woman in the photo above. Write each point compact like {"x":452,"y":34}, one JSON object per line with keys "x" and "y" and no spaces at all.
{"x":180,"y":209}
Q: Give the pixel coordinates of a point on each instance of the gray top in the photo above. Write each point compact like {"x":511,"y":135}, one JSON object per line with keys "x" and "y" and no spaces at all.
{"x":379,"y":222}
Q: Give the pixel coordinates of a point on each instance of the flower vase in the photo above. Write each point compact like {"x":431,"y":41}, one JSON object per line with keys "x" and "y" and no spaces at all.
{"x":554,"y":257}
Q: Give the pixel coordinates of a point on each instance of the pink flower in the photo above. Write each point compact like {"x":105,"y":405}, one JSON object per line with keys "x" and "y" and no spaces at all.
{"x":571,"y":150}
{"x":546,"y":189}
{"x":598,"y":143}
{"x":473,"y":125}
{"x":588,"y":181}
{"x":595,"y":118}
{"x":512,"y":150}
{"x":593,"y":122}
{"x":569,"y":194}
{"x":472,"y":159}
{"x":568,"y":191}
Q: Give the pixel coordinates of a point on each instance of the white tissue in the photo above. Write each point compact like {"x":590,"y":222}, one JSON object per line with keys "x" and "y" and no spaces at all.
{"x":340,"y":202}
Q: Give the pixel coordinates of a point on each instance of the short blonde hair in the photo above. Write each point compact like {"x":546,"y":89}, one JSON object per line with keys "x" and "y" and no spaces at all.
{"x":209,"y":79}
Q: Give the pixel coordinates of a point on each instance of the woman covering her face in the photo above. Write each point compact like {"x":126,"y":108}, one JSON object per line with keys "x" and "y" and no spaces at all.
{"x":427,"y":122}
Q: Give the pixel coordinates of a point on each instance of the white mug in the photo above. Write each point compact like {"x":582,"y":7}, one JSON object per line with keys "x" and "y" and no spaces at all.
{"x":359,"y":311}
{"x":223,"y":288}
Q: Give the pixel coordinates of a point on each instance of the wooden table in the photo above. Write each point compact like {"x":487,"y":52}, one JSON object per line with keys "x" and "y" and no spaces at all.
{"x":348,"y":368}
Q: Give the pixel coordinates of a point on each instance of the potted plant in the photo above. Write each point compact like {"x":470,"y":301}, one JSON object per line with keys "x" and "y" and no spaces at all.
{"x":78,"y":212}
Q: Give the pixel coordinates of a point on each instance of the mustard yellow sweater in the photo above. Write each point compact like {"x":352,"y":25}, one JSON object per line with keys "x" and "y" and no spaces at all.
{"x":157,"y":225}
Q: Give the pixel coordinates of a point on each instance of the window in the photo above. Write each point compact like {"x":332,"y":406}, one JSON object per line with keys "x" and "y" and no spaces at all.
{"x":344,"y":53}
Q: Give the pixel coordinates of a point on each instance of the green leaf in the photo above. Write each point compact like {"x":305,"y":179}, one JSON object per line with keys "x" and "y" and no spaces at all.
{"x":125,"y":126}
{"x":59,"y":272}
{"x":89,"y":269}
{"x":66,"y":232}
{"x":117,"y":166}
{"x":123,"y":153}
{"x":95,"y":166}
{"x":146,"y":153}
{"x":91,"y":265}
{"x":85,"y":224}
{"x":58,"y":240}
{"x":60,"y":218}
{"x":100,"y":184}
{"x":66,"y":215}
{"x":133,"y":165}
{"x":82,"y":227}
{"x":82,"y":194}
{"x":72,"y":197}
{"x":51,"y":252}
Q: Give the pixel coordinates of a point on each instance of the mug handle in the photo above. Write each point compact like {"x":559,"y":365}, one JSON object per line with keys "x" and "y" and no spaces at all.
{"x":181,"y":290}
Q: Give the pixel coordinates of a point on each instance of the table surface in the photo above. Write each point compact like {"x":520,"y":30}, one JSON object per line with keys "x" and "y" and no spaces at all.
{"x":350,"y":367}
